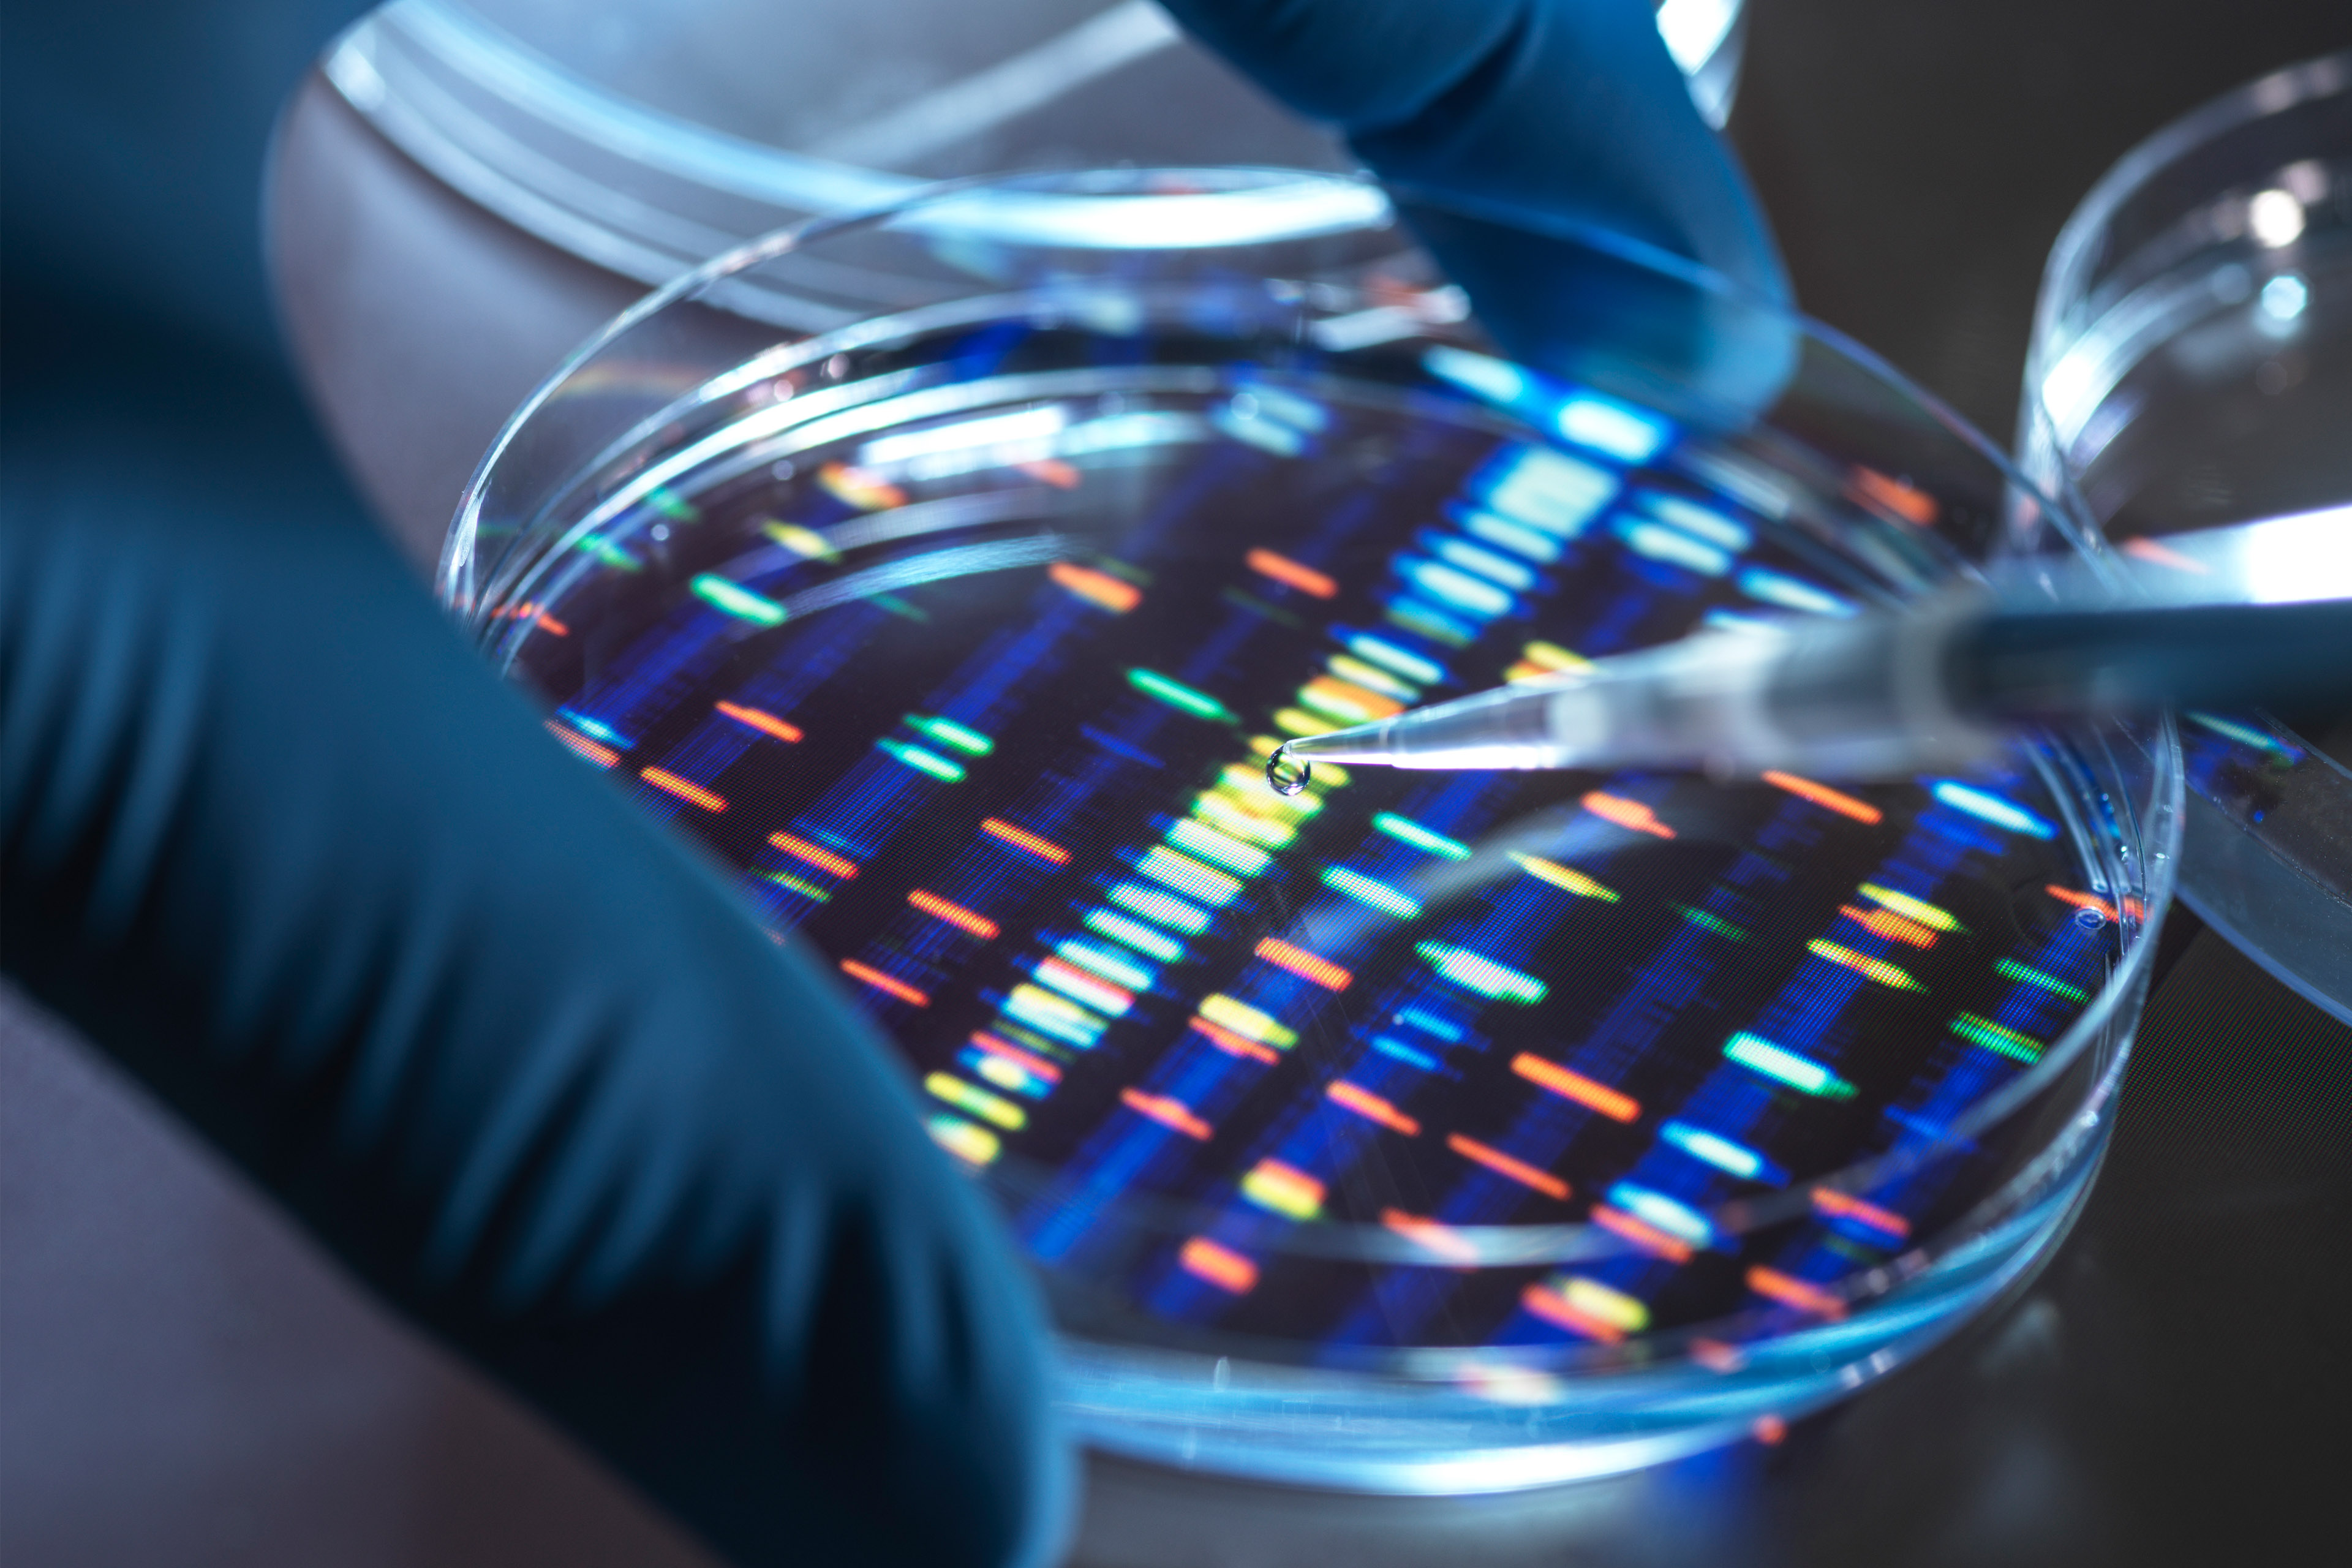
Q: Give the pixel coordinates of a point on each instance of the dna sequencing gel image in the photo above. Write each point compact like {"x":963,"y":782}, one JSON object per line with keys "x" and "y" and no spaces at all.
{"x":968,"y":658}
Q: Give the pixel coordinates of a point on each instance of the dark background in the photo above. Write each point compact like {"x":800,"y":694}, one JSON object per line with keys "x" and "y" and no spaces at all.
{"x":183,"y":1380}
{"x":1919,"y":156}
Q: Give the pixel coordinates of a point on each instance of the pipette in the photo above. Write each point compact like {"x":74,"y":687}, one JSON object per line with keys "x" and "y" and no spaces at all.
{"x":2253,"y":615}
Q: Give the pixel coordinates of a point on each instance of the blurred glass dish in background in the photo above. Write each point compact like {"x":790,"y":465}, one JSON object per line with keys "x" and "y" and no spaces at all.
{"x":2191,"y":365}
{"x":1424,"y":1133}
{"x":646,"y":138}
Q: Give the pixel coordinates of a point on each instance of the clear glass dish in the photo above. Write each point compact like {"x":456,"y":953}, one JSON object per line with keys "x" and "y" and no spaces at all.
{"x":2191,"y":365}
{"x":1429,"y":1132}
{"x":647,"y":136}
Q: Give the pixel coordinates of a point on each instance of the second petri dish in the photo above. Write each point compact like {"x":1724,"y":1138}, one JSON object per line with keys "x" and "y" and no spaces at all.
{"x":1420,"y":1132}
{"x":2191,"y":366}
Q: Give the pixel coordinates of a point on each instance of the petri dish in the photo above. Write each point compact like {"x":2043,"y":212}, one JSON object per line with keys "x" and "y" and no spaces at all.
{"x":646,"y":137}
{"x":1423,"y":1133}
{"x":2191,"y":366}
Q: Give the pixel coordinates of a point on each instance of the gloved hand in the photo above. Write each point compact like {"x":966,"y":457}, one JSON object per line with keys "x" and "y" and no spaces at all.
{"x":273,"y":839}
{"x":276,"y":840}
{"x":1531,"y":142}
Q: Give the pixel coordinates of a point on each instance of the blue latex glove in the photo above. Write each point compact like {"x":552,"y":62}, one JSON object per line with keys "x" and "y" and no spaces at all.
{"x":1497,"y":120}
{"x":276,"y":840}
{"x":272,"y":838}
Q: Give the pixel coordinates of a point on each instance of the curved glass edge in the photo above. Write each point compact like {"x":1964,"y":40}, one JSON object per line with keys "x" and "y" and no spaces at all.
{"x":2104,"y":1028}
{"x":1250,"y":209}
{"x":405,"y":67}
{"x":1237,"y":206}
{"x":1647,"y":257}
{"x":2078,"y":247}
{"x":1593,"y":1378}
{"x":2141,"y":884}
{"x":1518,"y":1430}
{"x":678,"y":191}
{"x":2268,"y":873}
{"x":2238,"y":883}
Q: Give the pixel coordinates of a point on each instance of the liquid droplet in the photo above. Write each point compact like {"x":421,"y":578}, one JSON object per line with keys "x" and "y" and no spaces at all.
{"x":1288,"y":776}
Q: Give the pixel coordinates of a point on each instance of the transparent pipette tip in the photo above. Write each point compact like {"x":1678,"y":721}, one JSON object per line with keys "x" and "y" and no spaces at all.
{"x":1291,"y":765}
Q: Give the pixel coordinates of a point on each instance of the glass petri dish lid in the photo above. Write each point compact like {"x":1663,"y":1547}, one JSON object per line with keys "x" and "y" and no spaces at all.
{"x":1446,"y":1133}
{"x":2191,"y":366}
{"x":646,"y":138}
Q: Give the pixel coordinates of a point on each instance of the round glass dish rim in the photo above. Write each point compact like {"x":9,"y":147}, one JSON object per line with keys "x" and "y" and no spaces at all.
{"x":2075,"y":249}
{"x":2064,"y":316}
{"x":1362,"y":199}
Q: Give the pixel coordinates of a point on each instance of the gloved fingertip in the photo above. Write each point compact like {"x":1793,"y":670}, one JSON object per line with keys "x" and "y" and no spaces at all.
{"x":1593,"y":308}
{"x":1359,"y":65}
{"x":1569,"y":108}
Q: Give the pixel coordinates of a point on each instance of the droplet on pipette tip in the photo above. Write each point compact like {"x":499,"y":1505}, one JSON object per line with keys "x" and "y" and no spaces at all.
{"x":1287,"y":774}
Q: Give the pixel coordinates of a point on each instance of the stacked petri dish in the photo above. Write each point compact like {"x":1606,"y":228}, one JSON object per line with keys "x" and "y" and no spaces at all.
{"x":2191,"y":366}
{"x":641,"y":139}
{"x":1423,"y":1133}
{"x":646,"y":138}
